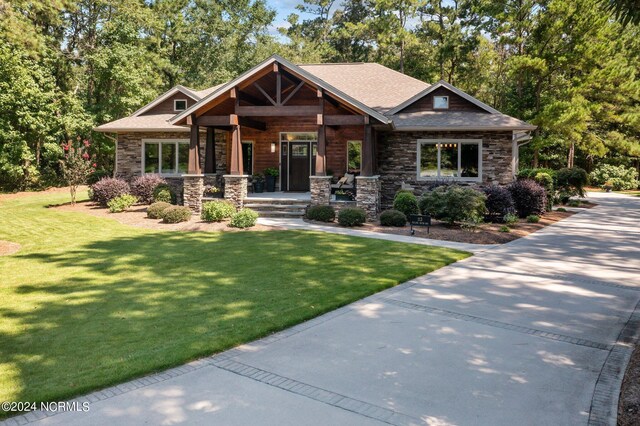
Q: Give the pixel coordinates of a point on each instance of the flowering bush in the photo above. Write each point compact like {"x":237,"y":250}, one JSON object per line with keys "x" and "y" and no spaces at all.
{"x":143,"y":187}
{"x":77,"y":165}
{"x":106,"y":189}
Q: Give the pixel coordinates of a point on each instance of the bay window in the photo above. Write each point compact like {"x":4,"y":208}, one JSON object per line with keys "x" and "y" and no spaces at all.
{"x":457,"y":159}
{"x":166,"y":157}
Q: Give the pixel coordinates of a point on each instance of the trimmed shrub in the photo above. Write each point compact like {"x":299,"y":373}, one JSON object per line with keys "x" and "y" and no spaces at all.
{"x":573,"y":203}
{"x":532,"y":218}
{"x":321,"y":213}
{"x":154,"y":211}
{"x":106,"y":189}
{"x":176,"y":214}
{"x":505,"y":228}
{"x":393,"y":218}
{"x":164,"y":193}
{"x":561,"y":209}
{"x":546,"y":181}
{"x":352,"y":216}
{"x":143,"y":187}
{"x":406,"y":202}
{"x":510,"y":219}
{"x":121,"y":203}
{"x":499,"y":201}
{"x":245,"y":218}
{"x":454,"y":203}
{"x":529,"y":197}
{"x":619,"y":177}
{"x":572,"y":180}
{"x":216,"y":211}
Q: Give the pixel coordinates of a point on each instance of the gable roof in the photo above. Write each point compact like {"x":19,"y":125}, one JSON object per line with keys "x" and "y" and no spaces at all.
{"x":149,"y":123}
{"x":304,"y":74}
{"x":166,"y":95}
{"x":458,"y":120}
{"x":374,"y":85}
{"x":447,"y":86}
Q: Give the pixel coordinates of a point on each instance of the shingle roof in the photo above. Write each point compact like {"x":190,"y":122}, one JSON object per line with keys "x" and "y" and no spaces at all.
{"x":156,"y":122}
{"x":374,"y":85}
{"x":463,"y":120}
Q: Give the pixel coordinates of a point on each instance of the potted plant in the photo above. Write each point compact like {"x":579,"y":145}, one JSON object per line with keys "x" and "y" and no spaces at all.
{"x":270,"y":174}
{"x":212,"y":191}
{"x":342,"y":195}
{"x":258,"y":183}
{"x":607,"y":186}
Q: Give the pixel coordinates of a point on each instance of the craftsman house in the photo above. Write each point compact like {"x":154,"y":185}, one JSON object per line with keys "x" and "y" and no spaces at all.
{"x":315,"y":124}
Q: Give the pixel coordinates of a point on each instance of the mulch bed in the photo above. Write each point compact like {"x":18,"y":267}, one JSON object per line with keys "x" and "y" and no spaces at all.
{"x":629,"y":404}
{"x":137,"y":216}
{"x":488,"y":233}
{"x":7,"y":248}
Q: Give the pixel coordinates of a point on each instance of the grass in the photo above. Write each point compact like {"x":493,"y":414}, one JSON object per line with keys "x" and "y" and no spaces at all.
{"x":88,"y":302}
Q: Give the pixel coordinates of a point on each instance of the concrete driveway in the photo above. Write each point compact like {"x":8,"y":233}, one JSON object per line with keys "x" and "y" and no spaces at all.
{"x":536,"y":332}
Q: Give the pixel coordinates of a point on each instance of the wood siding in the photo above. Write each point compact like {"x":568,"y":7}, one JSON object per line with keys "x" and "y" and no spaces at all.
{"x":166,"y":106}
{"x":456,"y":102}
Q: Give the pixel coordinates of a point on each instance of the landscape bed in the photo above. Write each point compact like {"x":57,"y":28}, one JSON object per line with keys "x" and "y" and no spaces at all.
{"x":88,"y":302}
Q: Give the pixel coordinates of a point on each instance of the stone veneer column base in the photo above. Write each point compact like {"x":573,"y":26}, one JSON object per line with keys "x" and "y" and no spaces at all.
{"x":235,"y":189}
{"x":368,"y":195}
{"x":192,"y":188}
{"x":320,"y":189}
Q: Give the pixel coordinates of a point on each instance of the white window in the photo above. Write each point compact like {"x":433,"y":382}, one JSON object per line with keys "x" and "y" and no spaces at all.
{"x":167,"y":157}
{"x":440,"y":102}
{"x":179,"y":104}
{"x":457,"y":159}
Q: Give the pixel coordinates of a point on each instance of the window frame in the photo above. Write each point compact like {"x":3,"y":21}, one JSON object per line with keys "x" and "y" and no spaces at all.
{"x":161,"y":142}
{"x":359,"y":142}
{"x":439,"y":142}
{"x":440,"y":96}
{"x":175,"y":108}
{"x":253,"y":157}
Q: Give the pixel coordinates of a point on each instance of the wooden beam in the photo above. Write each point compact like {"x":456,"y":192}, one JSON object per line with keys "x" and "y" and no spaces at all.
{"x":213,"y":120}
{"x":278,"y":88}
{"x":319,"y":92}
{"x":266,"y":95}
{"x":321,"y":155}
{"x":249,"y":98}
{"x":272,"y":111}
{"x":210,"y":151}
{"x":275,"y":67}
{"x":344,"y":120}
{"x":236,"y":152}
{"x":298,"y":87}
{"x":193,"y":166}
{"x":254,"y":124}
{"x":233,"y":93}
{"x":367,"y":152}
{"x":320,"y":119}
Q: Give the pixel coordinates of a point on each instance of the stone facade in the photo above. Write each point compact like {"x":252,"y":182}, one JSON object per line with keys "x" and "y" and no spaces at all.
{"x":397,"y":159}
{"x":193,"y":187}
{"x":320,"y":189}
{"x":368,"y":195}
{"x":235,"y":189}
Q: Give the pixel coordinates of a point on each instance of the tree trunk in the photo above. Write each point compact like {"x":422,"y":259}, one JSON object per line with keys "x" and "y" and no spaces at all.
{"x":572,"y":153}
{"x":535,"y":158}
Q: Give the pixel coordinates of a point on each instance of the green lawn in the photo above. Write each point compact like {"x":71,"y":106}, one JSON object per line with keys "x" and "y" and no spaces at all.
{"x":88,"y":302}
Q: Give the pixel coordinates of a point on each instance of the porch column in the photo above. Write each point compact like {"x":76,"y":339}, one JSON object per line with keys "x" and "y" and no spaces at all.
{"x":321,"y":156}
{"x":366,"y":168}
{"x":193,"y":167}
{"x":236,"y":150}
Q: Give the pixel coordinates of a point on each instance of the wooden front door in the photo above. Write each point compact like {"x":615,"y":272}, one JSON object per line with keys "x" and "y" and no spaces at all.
{"x":299,"y":166}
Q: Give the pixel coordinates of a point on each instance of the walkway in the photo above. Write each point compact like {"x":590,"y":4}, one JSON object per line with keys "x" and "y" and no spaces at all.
{"x":534,"y":332}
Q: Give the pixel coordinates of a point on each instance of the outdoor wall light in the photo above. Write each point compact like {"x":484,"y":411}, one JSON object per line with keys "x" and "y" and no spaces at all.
{"x":273,"y":147}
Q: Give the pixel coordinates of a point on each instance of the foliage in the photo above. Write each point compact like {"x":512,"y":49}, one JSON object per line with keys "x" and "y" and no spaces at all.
{"x":107,"y":189}
{"x":97,"y":175}
{"x":561,"y":209}
{"x":121,"y":203}
{"x":176,"y":214}
{"x":533,"y":218}
{"x":472,"y":223}
{"x":499,"y":201}
{"x":510,"y":219}
{"x":144,"y":186}
{"x":244,"y":218}
{"x":546,"y":181}
{"x":618,"y":177}
{"x":322,"y":213}
{"x":529,"y":197}
{"x":505,"y":228}
{"x":76,"y":165}
{"x":165,"y":193}
{"x":217,"y":210}
{"x":532,"y":173}
{"x":572,"y":180}
{"x":271,"y":171}
{"x":352,"y":216}
{"x":454,"y":203}
{"x":573,"y":203}
{"x":154,"y":211}
{"x":393,"y":218}
{"x":406,"y":202}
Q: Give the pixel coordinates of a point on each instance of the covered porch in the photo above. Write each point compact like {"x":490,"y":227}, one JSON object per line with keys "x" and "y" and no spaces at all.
{"x":278,"y":121}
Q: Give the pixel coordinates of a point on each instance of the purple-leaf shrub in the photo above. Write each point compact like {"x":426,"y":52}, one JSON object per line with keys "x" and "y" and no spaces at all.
{"x":106,"y":189}
{"x":143,"y":187}
{"x":529,"y":197}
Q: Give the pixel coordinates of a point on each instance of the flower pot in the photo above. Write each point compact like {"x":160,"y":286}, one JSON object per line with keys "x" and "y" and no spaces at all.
{"x":258,"y":186}
{"x":270,"y":183}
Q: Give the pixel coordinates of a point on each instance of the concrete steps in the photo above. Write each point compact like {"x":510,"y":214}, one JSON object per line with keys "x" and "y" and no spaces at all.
{"x":288,"y":208}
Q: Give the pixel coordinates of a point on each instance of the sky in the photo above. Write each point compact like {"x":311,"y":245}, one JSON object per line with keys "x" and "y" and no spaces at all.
{"x":284,"y":8}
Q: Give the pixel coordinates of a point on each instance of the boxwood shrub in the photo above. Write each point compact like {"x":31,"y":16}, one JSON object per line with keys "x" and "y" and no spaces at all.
{"x":244,"y":218}
{"x":121,"y":203}
{"x":529,"y":197}
{"x":352,"y":216}
{"x":217,"y":211}
{"x":533,"y":218}
{"x":176,"y":214}
{"x":321,"y":213}
{"x":454,"y":204}
{"x":143,"y":187}
{"x":393,"y":218}
{"x":154,"y":211}
{"x":163,"y":192}
{"x":406,"y":202}
{"x":106,"y":189}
